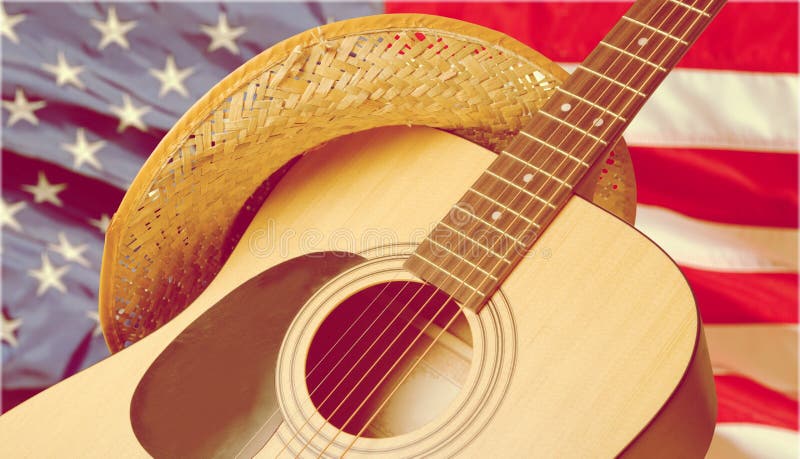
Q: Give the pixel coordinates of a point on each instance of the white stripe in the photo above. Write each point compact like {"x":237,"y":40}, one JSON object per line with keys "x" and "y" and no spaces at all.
{"x":720,"y":109}
{"x":765,"y":353}
{"x":751,"y":441}
{"x":717,"y":246}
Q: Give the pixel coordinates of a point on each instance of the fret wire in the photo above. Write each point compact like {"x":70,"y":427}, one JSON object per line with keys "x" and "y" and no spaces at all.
{"x":448,"y":274}
{"x":554,"y":148}
{"x":587,"y":101}
{"x":573,"y":127}
{"x":490,"y":225}
{"x":660,"y":67}
{"x":633,"y":56}
{"x":636,"y":57}
{"x":668,"y":52}
{"x":576,"y":128}
{"x":469,"y":299}
{"x":626,"y":86}
{"x":633,"y":103}
{"x":474,"y":241}
{"x":691,"y":8}
{"x":494,"y":201}
{"x":604,"y":62}
{"x":678,"y":18}
{"x":538,"y":169}
{"x":605,"y":77}
{"x":647,"y":79}
{"x":533,"y":195}
{"x":657,"y":30}
{"x":657,"y":67}
{"x":486,"y":273}
{"x":682,"y":19}
{"x":644,"y":77}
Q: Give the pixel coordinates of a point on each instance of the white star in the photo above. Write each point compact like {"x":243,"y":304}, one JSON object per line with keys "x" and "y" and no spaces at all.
{"x":7,"y":212}
{"x":64,"y":73}
{"x":172,"y":77}
{"x":113,"y":30}
{"x":70,"y":252}
{"x":95,"y":317}
{"x":222,"y":36}
{"x":49,"y":276}
{"x":84,"y":151}
{"x":44,"y":191}
{"x":7,"y":24}
{"x":22,"y":109}
{"x":129,"y":115}
{"x":7,"y":329}
{"x":101,"y":223}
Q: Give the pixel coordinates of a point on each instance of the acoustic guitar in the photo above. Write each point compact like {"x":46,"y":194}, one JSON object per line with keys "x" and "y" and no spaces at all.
{"x":526,"y":322}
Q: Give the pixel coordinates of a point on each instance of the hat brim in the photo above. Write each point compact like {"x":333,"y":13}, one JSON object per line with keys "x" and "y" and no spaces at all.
{"x":327,"y":82}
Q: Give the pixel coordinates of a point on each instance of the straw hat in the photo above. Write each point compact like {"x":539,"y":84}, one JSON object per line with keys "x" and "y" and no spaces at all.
{"x":162,"y":248}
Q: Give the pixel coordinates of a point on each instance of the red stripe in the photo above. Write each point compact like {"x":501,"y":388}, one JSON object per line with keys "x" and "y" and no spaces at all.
{"x":740,"y":399}
{"x":745,"y":36}
{"x":744,"y":188}
{"x":725,"y":298}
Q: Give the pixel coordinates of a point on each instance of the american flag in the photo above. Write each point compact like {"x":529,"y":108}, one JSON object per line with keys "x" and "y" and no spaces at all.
{"x":90,"y":88}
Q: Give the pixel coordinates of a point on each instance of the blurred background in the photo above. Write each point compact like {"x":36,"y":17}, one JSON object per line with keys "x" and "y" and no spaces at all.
{"x":89,"y":89}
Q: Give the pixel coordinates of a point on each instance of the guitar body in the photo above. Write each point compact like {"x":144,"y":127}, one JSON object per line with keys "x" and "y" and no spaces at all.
{"x":591,"y":348}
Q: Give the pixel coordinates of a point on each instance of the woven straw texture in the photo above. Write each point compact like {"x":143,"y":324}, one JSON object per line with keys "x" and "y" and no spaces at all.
{"x":166,"y":242}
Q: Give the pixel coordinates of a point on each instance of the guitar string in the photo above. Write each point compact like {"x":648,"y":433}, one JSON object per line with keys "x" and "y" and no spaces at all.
{"x":406,"y":283}
{"x":402,"y":380}
{"x":358,"y":339}
{"x":411,"y":369}
{"x":341,"y":337}
{"x":358,"y":383}
{"x":367,"y":328}
{"x":364,"y":354}
{"x":347,"y":352}
{"x":380,"y":407}
{"x":604,"y":112}
{"x":408,"y":372}
{"x":369,"y":395}
{"x":347,"y":330}
{"x":322,"y":359}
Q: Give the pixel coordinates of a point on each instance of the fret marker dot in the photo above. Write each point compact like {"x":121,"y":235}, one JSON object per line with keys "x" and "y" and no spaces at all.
{"x":527,"y":178}
{"x":495,"y":215}
{"x":598,"y":122}
{"x":642,"y":41}
{"x":565,"y":107}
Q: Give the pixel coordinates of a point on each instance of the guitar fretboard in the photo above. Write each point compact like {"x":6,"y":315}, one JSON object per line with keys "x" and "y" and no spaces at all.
{"x":477,"y":244}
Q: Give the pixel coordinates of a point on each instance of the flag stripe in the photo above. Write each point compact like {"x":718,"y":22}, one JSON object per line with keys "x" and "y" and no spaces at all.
{"x":106,"y":197}
{"x":740,"y":399}
{"x":745,"y":440}
{"x":726,"y":186}
{"x":766,"y":353}
{"x":715,"y":152}
{"x":719,"y":246}
{"x":725,"y":298}
{"x":758,"y":118}
{"x":738,"y":129}
{"x":567,"y":32}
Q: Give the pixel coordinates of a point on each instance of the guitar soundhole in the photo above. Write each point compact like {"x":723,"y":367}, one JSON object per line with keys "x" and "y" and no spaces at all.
{"x":383,"y":363}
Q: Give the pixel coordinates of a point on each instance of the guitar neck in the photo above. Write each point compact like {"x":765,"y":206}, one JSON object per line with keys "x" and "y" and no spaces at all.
{"x":477,"y":244}
{"x":612,"y":84}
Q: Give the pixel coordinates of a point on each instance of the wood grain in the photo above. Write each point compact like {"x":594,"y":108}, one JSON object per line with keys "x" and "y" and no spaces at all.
{"x":491,"y":226}
{"x":605,"y":326}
